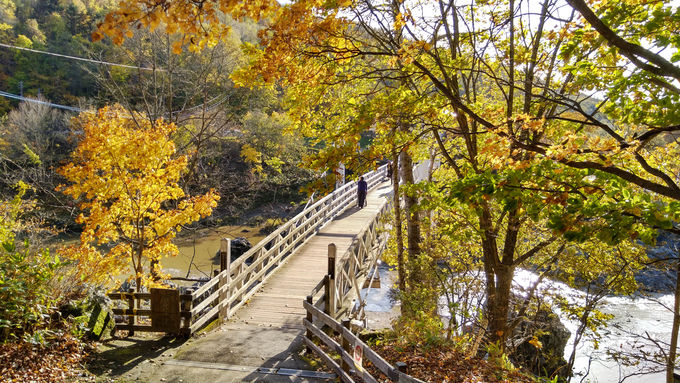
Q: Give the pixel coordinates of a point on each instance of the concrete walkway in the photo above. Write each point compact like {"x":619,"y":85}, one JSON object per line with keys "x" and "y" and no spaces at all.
{"x":263,"y":343}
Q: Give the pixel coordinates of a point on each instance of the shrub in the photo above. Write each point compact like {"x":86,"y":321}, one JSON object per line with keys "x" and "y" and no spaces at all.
{"x":25,"y":275}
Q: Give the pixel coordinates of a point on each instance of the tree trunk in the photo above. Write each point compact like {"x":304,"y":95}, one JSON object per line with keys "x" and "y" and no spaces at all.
{"x":499,"y":304}
{"x":397,"y":225}
{"x":498,"y":281}
{"x":154,"y":267}
{"x":410,"y":204}
{"x":672,"y":353}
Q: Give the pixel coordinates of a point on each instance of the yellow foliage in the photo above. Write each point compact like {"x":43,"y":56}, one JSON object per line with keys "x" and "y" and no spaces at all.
{"x":199,"y":21}
{"x":536,"y":343}
{"x":252,"y":156}
{"x":124,"y":174}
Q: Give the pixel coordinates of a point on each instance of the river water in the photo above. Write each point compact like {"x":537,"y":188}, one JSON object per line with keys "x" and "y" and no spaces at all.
{"x":633,"y":316}
{"x":200,"y":250}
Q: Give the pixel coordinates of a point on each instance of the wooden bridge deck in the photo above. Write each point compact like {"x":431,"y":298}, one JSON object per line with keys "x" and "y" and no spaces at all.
{"x":263,"y":340}
{"x":279,"y":302}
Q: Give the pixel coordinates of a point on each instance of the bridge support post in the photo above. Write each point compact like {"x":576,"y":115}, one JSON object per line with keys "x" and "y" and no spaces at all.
{"x":225,"y":277}
{"x":131,"y":317}
{"x":310,"y":319}
{"x":330,"y":302}
{"x":346,"y":346}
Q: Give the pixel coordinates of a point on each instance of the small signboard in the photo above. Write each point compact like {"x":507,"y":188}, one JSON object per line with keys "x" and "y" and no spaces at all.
{"x":358,"y":355}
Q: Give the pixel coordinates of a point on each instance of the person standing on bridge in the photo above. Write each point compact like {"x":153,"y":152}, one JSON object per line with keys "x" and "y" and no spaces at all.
{"x":362,"y":189}
{"x":389,"y":171}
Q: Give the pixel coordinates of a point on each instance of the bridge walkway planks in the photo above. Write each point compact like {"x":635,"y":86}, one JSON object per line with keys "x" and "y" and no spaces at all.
{"x":279,"y":301}
{"x":266,"y":334}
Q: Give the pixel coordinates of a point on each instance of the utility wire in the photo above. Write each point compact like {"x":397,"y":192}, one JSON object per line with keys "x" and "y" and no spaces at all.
{"x":78,"y":58}
{"x":210,"y":104}
{"x":21,"y":98}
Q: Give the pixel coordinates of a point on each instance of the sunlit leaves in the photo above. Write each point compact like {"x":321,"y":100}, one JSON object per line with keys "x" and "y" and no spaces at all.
{"x":124,"y":175}
{"x":199,"y":21}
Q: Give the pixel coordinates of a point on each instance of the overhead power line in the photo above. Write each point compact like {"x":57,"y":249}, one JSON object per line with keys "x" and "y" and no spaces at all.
{"x":78,"y":58}
{"x":208,"y":105}
{"x":27,"y":99}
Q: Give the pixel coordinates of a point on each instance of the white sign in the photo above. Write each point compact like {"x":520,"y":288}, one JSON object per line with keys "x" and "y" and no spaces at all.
{"x":358,"y":355}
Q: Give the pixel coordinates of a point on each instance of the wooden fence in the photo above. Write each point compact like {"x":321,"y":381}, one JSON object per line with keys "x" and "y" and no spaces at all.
{"x":348,"y":348}
{"x":353,"y":269}
{"x":240,"y":280}
{"x":160,"y":310}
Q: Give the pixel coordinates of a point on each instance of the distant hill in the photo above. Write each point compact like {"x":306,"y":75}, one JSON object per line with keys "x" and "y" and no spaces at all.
{"x":59,"y":26}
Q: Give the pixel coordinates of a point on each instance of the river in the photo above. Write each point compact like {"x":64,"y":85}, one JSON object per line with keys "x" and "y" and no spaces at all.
{"x":202,"y":248}
{"x":632,"y":316}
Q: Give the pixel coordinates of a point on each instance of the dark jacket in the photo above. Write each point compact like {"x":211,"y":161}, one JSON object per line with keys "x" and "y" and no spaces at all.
{"x":362,"y":186}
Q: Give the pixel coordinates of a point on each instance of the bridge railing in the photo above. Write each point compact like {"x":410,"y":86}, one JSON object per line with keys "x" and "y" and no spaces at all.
{"x":331,"y":299}
{"x":240,"y":280}
{"x":353,"y":267}
{"x":347,"y":346}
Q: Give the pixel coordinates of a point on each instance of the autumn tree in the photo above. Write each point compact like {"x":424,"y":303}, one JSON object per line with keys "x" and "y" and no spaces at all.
{"x":379,"y":66}
{"x":219,"y":125}
{"x":620,"y":60}
{"x":481,"y":93}
{"x":124,"y":175}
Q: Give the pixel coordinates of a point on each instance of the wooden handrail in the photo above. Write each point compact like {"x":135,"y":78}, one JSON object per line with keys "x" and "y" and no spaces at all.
{"x":381,"y":364}
{"x":359,"y":258}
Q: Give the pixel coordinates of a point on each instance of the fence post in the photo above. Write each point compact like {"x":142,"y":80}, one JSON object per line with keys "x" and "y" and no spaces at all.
{"x":310,"y":319}
{"x":225,"y":276}
{"x":225,"y":253}
{"x":330,"y":281}
{"x":186,"y":307}
{"x":279,"y":242}
{"x":345,"y":346}
{"x":260,"y":260}
{"x":401,"y":367}
{"x":131,"y":317}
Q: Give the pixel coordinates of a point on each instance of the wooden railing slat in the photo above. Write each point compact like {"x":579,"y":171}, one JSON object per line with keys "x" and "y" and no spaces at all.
{"x":322,"y":316}
{"x":138,"y":312}
{"x":126,"y":296}
{"x":335,"y":346}
{"x":197,"y":308}
{"x":205,"y":318}
{"x":329,"y":361}
{"x":205,"y":287}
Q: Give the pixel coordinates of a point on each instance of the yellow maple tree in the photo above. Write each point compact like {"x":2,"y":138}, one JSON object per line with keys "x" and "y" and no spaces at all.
{"x":124,"y":174}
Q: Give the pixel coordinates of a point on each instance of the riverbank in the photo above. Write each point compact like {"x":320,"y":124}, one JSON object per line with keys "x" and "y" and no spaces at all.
{"x":634,"y":317}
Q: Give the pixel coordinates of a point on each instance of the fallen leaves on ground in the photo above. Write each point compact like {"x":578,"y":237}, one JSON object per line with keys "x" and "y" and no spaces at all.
{"x":445,"y":365}
{"x":27,"y":362}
